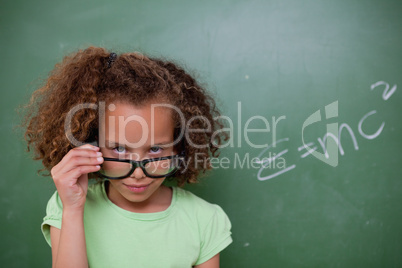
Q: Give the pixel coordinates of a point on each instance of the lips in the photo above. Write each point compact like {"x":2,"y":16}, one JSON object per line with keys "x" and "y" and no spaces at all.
{"x":137,"y":188}
{"x":136,"y":185}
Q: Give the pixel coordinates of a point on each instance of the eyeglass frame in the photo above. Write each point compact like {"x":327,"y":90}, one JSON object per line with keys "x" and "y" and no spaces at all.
{"x":135,"y":164}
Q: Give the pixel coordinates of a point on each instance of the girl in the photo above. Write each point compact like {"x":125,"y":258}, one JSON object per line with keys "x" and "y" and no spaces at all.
{"x":127,"y":122}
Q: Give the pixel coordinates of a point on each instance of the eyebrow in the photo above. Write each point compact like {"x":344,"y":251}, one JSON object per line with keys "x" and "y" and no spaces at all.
{"x":110,"y":143}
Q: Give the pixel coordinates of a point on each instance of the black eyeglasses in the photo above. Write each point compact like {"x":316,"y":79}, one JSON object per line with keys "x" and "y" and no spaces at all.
{"x":114,"y":168}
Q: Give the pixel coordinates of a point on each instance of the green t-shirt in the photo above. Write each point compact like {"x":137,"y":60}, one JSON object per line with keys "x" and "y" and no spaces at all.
{"x":189,"y":232}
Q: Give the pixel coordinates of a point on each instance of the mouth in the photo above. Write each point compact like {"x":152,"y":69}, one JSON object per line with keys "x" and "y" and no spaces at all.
{"x":137,"y":188}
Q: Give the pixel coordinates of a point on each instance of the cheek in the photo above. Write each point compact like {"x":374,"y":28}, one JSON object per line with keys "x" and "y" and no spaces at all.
{"x":158,"y":182}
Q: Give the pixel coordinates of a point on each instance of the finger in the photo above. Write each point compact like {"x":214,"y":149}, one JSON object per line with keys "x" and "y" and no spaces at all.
{"x":88,"y":146}
{"x":74,"y":153}
{"x":79,"y":171}
{"x":77,"y":161}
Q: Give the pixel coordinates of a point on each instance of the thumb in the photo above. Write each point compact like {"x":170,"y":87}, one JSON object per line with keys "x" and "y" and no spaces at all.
{"x":83,"y":182}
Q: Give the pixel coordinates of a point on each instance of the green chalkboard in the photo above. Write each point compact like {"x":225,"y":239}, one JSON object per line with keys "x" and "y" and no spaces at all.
{"x":295,"y":79}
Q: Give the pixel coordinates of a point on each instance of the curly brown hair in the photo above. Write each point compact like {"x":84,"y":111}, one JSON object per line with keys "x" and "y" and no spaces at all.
{"x":88,"y":76}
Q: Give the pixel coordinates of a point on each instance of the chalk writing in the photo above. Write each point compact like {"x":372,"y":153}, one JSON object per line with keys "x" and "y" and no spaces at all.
{"x":308,"y":149}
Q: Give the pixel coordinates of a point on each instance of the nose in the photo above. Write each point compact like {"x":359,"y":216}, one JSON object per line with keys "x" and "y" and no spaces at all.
{"x":138,"y":173}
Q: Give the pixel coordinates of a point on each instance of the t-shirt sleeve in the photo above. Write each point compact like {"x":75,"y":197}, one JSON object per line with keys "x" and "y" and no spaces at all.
{"x":54,"y":211}
{"x":216,"y":235}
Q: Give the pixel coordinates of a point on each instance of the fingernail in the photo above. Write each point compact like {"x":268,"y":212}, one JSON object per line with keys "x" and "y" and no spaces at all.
{"x":100,"y":159}
{"x":98,"y":154}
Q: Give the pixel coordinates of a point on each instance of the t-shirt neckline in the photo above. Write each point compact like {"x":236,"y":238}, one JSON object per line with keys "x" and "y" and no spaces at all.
{"x":141,"y":216}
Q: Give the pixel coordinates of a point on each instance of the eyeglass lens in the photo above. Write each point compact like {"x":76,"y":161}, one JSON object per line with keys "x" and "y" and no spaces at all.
{"x":155,"y":168}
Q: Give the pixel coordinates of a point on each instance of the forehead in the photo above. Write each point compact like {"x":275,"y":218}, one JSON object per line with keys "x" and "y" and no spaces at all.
{"x":144,"y":124}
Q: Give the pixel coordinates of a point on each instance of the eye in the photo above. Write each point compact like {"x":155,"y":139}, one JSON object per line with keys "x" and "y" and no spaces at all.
{"x":119,"y":150}
{"x":156,"y":149}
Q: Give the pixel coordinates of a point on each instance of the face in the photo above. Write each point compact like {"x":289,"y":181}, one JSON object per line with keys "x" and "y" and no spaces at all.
{"x":137,"y":133}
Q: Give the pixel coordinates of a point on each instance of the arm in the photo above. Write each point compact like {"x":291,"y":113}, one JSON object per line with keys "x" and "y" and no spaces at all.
{"x":68,"y":244}
{"x":211,"y":263}
{"x":71,"y":179}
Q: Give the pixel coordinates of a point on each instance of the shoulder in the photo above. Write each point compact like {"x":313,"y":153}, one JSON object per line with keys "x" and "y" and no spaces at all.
{"x":201,"y":210}
{"x":187,"y":199}
{"x":213,"y":226}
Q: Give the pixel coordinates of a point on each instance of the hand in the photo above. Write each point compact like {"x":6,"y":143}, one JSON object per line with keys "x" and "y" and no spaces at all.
{"x":70,"y":175}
